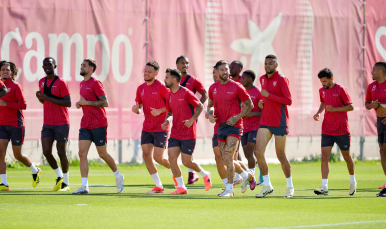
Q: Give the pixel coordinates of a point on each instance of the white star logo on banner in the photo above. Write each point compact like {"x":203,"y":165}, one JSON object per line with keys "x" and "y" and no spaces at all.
{"x":260,"y":44}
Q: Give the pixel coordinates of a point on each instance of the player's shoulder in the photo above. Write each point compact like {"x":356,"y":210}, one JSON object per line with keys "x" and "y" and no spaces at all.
{"x":373,"y":83}
{"x":42,"y":79}
{"x":60,"y":79}
{"x":214,"y":85}
{"x":142,"y":85}
{"x":340,"y":87}
{"x":256,"y":90}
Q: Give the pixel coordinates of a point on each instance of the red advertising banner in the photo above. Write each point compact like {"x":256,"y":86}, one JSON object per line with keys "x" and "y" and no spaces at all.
{"x":306,"y":35}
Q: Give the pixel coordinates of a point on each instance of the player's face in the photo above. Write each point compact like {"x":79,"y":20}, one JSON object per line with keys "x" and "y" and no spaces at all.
{"x":48,"y":66}
{"x":270,"y":65}
{"x":375,"y":73}
{"x":168,"y":80}
{"x":215,"y":75}
{"x":234,"y":69}
{"x":149,"y":73}
{"x":245,"y":80}
{"x":85,"y":68}
{"x":223,"y":72}
{"x":183,"y":65}
{"x":6,"y":72}
{"x":327,"y":83}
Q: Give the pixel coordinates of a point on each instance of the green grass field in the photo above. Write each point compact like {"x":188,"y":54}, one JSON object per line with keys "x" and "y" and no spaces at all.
{"x":27,"y":207}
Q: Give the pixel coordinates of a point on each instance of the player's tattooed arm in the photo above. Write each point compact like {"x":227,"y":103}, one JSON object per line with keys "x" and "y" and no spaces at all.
{"x":197,"y":111}
{"x":246,"y":109}
{"x":103,"y":102}
{"x":210,"y":111}
{"x":168,"y":120}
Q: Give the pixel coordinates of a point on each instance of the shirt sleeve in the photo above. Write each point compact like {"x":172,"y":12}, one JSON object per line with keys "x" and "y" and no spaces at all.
{"x":368,"y":94}
{"x":198,"y":86}
{"x":22,"y":104}
{"x":167,"y":103}
{"x":39,"y":85}
{"x":98,"y":88}
{"x":211,"y":92}
{"x":63,"y":89}
{"x":321,"y":96}
{"x":287,"y":98}
{"x":192,"y":99}
{"x":345,"y":96}
{"x":242,"y":93}
{"x":138,"y":98}
{"x":164,"y":91}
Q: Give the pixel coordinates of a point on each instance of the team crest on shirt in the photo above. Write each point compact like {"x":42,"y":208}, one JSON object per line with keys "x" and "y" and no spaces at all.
{"x":323,"y":94}
{"x":274,"y":83}
{"x":262,"y":81}
{"x":374,"y":87}
{"x":143,"y":92}
{"x":214,"y":92}
{"x":42,"y":84}
{"x":9,"y":89}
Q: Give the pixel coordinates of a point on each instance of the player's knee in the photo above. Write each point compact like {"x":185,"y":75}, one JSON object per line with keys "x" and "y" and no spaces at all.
{"x":281,"y":157}
{"x":325,"y":157}
{"x":186,"y":162}
{"x":82,"y":154}
{"x":47,"y":152}
{"x":158,"y":159}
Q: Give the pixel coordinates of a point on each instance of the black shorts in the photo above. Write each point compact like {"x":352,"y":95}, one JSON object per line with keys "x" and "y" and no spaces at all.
{"x":186,"y":146}
{"x":58,"y":132}
{"x":381,"y":129}
{"x":343,"y":141}
{"x":97,"y":135}
{"x":249,"y":137}
{"x":225,"y":130}
{"x":214,"y":141}
{"x":277,"y":131}
{"x":15,"y":134}
{"x":158,"y":139}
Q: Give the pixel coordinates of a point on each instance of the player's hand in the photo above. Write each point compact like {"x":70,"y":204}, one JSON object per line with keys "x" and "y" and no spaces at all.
{"x":77,"y":105}
{"x":165,"y":125}
{"x":212,"y":118}
{"x":188,"y":123}
{"x":207,"y":114}
{"x":232,"y":121}
{"x":38,"y":94}
{"x":383,"y":120}
{"x":261,"y":104}
{"x":155,"y":112}
{"x":264,"y":93}
{"x":43,"y":97}
{"x":3,"y":103}
{"x":136,"y":109}
{"x":317,"y":117}
{"x":82,"y":101}
{"x":330,"y":108}
{"x":375,"y":104}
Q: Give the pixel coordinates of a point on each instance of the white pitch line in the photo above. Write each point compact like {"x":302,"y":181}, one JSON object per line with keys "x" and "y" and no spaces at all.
{"x":323,"y":225}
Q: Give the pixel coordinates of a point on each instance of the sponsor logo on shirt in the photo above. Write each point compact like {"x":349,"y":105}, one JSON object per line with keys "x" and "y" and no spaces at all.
{"x":87,"y":88}
{"x":229,"y":92}
{"x":154,"y":93}
{"x":53,"y":86}
{"x":214,"y":92}
{"x":253,"y":97}
{"x":374,"y":87}
{"x":187,"y":83}
{"x":180,"y":99}
{"x":335,"y":94}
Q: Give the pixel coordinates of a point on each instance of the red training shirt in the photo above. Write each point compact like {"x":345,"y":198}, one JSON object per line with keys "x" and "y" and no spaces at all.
{"x":12,"y":114}
{"x":152,"y":96}
{"x":335,"y":123}
{"x":93,"y":117}
{"x":53,"y":113}
{"x":252,"y":123}
{"x":227,"y":100}
{"x":193,"y":84}
{"x":376,"y":91}
{"x":275,"y":112}
{"x":182,"y":104}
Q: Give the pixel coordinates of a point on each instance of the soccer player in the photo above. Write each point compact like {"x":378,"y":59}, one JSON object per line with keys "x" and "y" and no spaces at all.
{"x":55,"y":97}
{"x":185,"y":108}
{"x":235,"y":70}
{"x":251,"y":123}
{"x":151,"y":96}
{"x":194,"y":85}
{"x":376,"y":99}
{"x":93,"y":127}
{"x":12,"y":123}
{"x":274,"y":121}
{"x":335,"y":100}
{"x":225,"y":97}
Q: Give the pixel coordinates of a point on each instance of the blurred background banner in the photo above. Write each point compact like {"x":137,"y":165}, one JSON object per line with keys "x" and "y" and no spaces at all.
{"x":306,"y":35}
